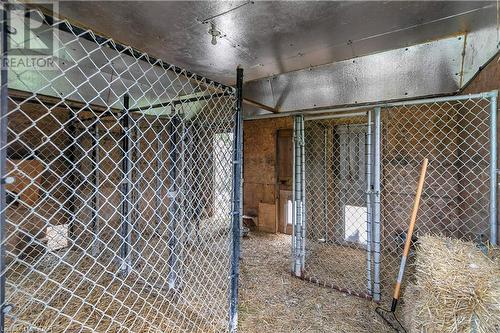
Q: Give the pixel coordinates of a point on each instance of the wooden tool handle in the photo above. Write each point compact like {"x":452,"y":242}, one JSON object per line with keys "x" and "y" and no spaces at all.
{"x":409,"y":235}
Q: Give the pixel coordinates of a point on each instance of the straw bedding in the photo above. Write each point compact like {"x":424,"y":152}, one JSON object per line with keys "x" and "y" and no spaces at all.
{"x":72,"y":292}
{"x":271,"y":300}
{"x":456,"y":288}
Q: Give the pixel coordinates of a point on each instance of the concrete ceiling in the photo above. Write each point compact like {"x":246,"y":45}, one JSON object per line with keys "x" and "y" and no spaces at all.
{"x":269,"y":38}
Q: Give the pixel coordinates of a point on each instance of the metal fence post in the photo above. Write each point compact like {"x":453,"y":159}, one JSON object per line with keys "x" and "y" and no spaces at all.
{"x":369,"y":203}
{"x":493,"y":168}
{"x":237,"y":203}
{"x":70,"y":153}
{"x":95,"y":195}
{"x":296,"y":198}
{"x":3,"y":161}
{"x":303,"y":195}
{"x":158,"y":182}
{"x":173,"y":192}
{"x":294,"y":210}
{"x":125,"y":207}
{"x":376,"y":206}
{"x":137,"y":190}
{"x":325,"y":182}
{"x":299,"y":196}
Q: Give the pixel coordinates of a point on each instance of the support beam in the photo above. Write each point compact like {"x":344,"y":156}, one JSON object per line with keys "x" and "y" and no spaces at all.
{"x":260,"y":105}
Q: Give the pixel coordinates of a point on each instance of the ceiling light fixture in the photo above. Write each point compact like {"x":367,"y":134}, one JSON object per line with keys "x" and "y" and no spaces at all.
{"x":214,"y":33}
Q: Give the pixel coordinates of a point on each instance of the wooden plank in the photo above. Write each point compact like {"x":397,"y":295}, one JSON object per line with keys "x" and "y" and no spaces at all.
{"x":267,"y":217}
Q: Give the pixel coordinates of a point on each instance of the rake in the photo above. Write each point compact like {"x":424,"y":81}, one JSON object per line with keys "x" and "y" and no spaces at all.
{"x":389,"y":316}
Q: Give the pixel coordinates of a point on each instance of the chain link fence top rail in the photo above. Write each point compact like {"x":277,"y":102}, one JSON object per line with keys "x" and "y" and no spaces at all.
{"x":119,"y":218}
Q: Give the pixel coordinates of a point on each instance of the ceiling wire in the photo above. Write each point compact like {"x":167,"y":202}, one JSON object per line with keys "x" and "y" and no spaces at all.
{"x":228,"y":11}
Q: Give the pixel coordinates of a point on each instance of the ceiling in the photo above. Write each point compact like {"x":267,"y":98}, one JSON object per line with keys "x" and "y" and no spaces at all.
{"x":268,"y":38}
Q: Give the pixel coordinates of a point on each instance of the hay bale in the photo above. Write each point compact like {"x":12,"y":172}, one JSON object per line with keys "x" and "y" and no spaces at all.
{"x":456,"y":288}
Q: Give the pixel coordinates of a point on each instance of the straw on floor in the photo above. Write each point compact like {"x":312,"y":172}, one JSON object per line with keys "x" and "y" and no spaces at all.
{"x":456,"y":288}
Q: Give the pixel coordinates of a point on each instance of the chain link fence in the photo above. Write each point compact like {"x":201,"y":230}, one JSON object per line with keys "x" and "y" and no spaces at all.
{"x":360,"y":174}
{"x":456,"y":137}
{"x":120,"y":213}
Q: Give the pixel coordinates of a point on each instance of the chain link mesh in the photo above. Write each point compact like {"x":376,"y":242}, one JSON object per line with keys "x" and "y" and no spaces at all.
{"x":119,"y":218}
{"x":336,"y":236}
{"x":454,"y":135}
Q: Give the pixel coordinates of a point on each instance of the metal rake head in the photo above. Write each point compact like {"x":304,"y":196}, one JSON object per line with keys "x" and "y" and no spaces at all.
{"x":391,"y":319}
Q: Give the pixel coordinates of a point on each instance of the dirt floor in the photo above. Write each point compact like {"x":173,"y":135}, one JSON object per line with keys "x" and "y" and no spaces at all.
{"x":271,"y":300}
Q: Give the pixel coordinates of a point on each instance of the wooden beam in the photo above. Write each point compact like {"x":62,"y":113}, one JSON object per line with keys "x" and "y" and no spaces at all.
{"x":260,"y":105}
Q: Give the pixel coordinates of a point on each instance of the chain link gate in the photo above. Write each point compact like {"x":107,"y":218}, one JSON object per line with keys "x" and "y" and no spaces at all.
{"x":359,"y":185}
{"x":337,"y":237}
{"x":120,"y":195}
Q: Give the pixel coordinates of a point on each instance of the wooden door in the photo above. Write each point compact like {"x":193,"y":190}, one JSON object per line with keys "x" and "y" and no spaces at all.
{"x":284,"y":178}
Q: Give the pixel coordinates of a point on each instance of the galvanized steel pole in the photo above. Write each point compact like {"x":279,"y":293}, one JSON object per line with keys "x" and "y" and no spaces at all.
{"x":173,"y":192}
{"x":237,"y":202}
{"x":369,"y":203}
{"x":95,"y":194}
{"x":3,"y":162}
{"x":493,"y":168}
{"x":125,"y":206}
{"x":376,"y":206}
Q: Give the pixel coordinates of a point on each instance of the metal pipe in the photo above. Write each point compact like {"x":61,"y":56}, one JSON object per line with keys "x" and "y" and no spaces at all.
{"x":137,"y":193}
{"x":325,"y":182}
{"x":326,"y":110}
{"x":158,"y":183}
{"x":70,"y":153}
{"x":376,"y":206}
{"x":297,"y":196}
{"x":4,"y":91}
{"x":96,"y":184}
{"x":368,"y":203}
{"x":493,"y":169}
{"x":237,"y":202}
{"x":294,"y":249}
{"x":303,"y":196}
{"x":173,"y":204}
{"x":179,"y":101}
{"x":125,"y":204}
{"x":335,"y":116}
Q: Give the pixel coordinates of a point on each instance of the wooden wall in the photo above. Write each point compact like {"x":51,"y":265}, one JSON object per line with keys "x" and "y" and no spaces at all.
{"x":488,"y":79}
{"x":259,"y":167}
